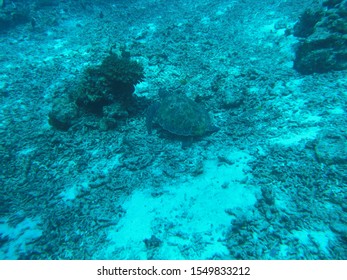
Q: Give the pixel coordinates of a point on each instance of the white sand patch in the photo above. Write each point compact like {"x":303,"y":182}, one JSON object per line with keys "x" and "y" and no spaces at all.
{"x":337,"y":111}
{"x":293,"y":138}
{"x":71,"y":192}
{"x":271,"y":29}
{"x":189,"y":218}
{"x":320,"y":239}
{"x":19,"y":236}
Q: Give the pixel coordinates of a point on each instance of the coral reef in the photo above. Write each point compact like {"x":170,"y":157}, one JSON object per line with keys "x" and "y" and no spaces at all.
{"x":324,"y":48}
{"x":111,"y":82}
{"x":11,"y":15}
{"x":63,"y":113}
{"x":105,"y":90}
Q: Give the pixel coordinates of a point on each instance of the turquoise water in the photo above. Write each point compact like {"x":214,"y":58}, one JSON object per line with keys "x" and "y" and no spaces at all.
{"x":152,"y":129}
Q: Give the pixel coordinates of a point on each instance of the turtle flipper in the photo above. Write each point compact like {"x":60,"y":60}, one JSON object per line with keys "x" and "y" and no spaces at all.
{"x":187,"y":142}
{"x":151,"y":115}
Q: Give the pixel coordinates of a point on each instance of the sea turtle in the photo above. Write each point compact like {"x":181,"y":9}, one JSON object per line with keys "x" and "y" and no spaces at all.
{"x":179,"y":115}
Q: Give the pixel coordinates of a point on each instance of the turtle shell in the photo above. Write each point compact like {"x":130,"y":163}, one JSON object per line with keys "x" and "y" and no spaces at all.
{"x":182,"y":116}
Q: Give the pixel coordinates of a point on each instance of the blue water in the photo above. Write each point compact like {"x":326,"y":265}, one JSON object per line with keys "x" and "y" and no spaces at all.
{"x":153,"y":129}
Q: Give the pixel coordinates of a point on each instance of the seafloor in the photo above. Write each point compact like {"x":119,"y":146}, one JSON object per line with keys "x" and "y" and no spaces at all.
{"x":270,"y":184}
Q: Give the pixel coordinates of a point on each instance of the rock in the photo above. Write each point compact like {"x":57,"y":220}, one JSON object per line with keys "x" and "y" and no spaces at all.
{"x":331,"y":148}
{"x":115,"y":110}
{"x":153,"y":242}
{"x":63,"y":114}
{"x":324,"y":48}
{"x":321,"y":55}
{"x":307,"y":22}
